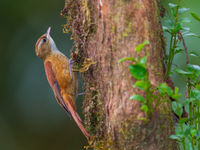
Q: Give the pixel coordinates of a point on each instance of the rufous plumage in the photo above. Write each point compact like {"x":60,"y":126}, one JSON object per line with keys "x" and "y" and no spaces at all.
{"x":63,"y":82}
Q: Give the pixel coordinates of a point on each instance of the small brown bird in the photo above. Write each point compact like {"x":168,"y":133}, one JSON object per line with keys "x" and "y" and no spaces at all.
{"x":63,"y":82}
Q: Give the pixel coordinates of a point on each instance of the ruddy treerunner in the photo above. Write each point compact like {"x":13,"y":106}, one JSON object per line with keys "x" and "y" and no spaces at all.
{"x":63,"y":82}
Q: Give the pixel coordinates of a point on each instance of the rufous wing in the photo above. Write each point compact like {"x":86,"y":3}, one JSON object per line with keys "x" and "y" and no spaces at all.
{"x":67,"y":103}
{"x":51,"y":77}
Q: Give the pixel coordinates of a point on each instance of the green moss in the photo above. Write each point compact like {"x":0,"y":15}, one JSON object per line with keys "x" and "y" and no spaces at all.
{"x":96,"y":113}
{"x":127,"y":30}
{"x":126,"y":0}
{"x":135,"y":135}
{"x":80,"y":22}
{"x":123,"y":2}
{"x":95,"y":119}
{"x":94,"y":110}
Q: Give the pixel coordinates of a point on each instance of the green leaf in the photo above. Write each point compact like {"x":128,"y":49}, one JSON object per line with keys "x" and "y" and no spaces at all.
{"x":195,"y":16}
{"x":185,"y":20}
{"x":190,"y":34}
{"x":166,"y":29}
{"x":183,"y":120}
{"x":144,"y":108}
{"x":176,"y":95}
{"x":140,"y":46}
{"x":197,"y":86}
{"x":182,"y":72}
{"x":165,"y":89}
{"x":182,"y":10}
{"x":195,"y":94}
{"x":176,"y":90}
{"x":186,"y":132}
{"x":181,"y":134}
{"x":142,"y":85}
{"x":193,"y":132}
{"x":193,"y":54}
{"x":126,"y":58}
{"x":171,"y":5}
{"x":138,"y":98}
{"x":143,"y":60}
{"x":186,"y":28}
{"x":175,"y":137}
{"x":178,"y":27}
{"x":177,"y":108}
{"x":178,"y":51}
{"x":138,"y":71}
{"x":193,"y":67}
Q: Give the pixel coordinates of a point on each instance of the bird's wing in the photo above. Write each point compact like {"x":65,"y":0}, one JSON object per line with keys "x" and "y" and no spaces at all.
{"x":69,"y":105}
{"x":51,"y":77}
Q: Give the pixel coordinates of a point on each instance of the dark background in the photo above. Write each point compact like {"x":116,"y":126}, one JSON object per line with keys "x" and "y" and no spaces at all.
{"x":30,"y":118}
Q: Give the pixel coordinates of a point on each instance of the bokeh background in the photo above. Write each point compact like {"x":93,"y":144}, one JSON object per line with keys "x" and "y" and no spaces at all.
{"x":192,"y":43}
{"x":30,"y":118}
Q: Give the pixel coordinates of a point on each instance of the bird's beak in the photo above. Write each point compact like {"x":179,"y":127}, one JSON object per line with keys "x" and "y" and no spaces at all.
{"x":48,"y":33}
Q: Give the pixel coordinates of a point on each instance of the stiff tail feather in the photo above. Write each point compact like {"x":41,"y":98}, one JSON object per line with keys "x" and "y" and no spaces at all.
{"x":76,"y":118}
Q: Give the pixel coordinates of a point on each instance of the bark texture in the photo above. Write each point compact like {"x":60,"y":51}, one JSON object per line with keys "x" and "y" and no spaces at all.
{"x":105,"y":31}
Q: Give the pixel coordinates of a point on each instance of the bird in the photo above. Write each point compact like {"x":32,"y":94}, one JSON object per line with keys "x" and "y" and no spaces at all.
{"x":62,"y":80}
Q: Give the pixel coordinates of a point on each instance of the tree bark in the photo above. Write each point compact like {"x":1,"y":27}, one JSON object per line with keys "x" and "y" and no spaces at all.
{"x":105,"y":31}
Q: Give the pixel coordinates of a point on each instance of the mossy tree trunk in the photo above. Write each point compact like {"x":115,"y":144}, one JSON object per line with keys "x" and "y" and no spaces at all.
{"x":105,"y":31}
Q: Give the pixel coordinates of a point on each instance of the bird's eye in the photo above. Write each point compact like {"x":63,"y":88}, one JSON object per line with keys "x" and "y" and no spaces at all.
{"x":44,"y":39}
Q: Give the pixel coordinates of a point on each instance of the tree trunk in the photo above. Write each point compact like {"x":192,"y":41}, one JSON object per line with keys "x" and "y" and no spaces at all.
{"x":105,"y":31}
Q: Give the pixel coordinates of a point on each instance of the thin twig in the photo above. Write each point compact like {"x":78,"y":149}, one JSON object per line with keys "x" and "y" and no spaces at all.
{"x":188,"y":79}
{"x":185,"y":47}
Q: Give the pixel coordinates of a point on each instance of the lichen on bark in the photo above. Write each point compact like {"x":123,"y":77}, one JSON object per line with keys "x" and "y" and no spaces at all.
{"x":105,"y":31}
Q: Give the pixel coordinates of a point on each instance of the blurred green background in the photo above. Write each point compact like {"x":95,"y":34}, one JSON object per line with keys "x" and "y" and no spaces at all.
{"x":192,"y":43}
{"x":30,"y":118}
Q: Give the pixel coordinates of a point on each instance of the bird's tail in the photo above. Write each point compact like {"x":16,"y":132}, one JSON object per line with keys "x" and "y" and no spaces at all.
{"x":71,"y":108}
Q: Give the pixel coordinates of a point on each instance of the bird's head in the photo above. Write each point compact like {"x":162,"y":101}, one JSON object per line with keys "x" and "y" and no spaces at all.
{"x":45,"y":45}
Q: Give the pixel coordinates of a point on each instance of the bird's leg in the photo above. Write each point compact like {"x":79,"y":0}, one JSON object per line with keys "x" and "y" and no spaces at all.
{"x":70,"y":70}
